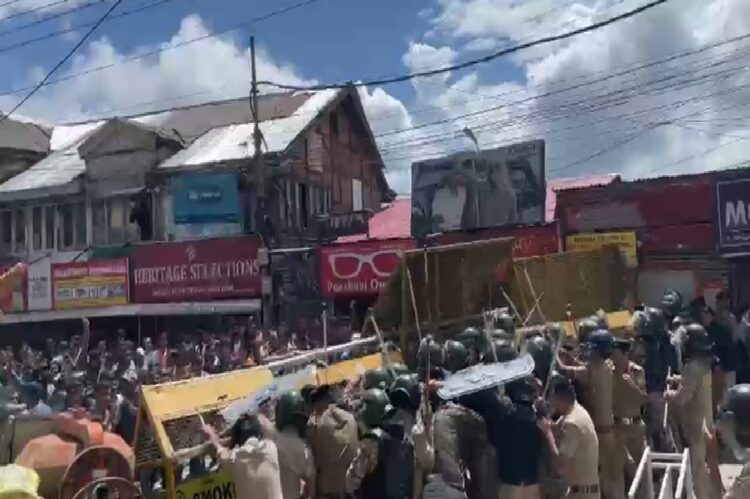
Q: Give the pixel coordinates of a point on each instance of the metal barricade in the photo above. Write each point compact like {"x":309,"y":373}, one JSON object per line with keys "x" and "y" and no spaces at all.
{"x":673,"y":470}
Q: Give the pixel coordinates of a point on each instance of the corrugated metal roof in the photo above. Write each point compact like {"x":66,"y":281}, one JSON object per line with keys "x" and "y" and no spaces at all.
{"x":234,"y":142}
{"x":23,"y":135}
{"x":392,"y":222}
{"x":572,"y":183}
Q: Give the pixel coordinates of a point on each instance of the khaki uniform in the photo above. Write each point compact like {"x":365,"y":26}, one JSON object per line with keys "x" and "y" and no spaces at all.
{"x":598,"y":379}
{"x":296,"y":463}
{"x":364,"y":463}
{"x":630,"y":431}
{"x":579,"y":446}
{"x":332,"y":437}
{"x":692,"y":397}
{"x":254,"y":467}
{"x":740,"y":489}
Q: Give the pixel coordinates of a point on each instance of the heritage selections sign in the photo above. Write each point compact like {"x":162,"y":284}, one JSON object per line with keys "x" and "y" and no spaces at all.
{"x":625,"y":241}
{"x":97,"y":283}
{"x":733,"y":215}
{"x":198,"y":270}
{"x":360,"y":268}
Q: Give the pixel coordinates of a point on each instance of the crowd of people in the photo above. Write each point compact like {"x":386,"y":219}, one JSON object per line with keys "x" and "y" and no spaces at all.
{"x":576,"y":428}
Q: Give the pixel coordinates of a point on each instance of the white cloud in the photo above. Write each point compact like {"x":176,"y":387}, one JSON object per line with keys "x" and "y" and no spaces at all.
{"x":15,"y":9}
{"x":686,"y":115}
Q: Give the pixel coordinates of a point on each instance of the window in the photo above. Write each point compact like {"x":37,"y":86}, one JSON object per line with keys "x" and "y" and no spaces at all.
{"x":20,"y":230}
{"x":49,"y":227}
{"x":80,"y":224}
{"x":99,"y":222}
{"x":66,"y":234}
{"x":303,"y":213}
{"x":6,"y":229}
{"x":116,"y":212}
{"x":357,"y":202}
{"x":37,"y":215}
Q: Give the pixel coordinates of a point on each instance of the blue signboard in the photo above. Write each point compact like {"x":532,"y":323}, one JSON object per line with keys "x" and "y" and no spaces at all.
{"x":206,"y":199}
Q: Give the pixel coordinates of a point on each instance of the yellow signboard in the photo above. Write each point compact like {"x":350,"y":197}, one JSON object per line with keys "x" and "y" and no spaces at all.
{"x":218,"y":485}
{"x":625,"y":241}
{"x":350,"y":369}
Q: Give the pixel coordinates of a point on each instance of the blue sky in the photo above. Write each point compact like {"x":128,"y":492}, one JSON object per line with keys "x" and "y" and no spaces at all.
{"x":587,"y":131}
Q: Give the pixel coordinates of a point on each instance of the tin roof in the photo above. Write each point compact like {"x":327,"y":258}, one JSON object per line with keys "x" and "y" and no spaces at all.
{"x":572,"y":183}
{"x":392,"y":222}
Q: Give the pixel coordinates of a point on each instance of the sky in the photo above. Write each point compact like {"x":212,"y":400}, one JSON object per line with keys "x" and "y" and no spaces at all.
{"x":661,"y":93}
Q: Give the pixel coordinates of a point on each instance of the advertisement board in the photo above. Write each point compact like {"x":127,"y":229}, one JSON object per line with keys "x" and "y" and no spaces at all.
{"x":201,"y":199}
{"x":359,"y":268}
{"x":733,"y":215}
{"x":528,"y":241}
{"x":469,"y":190}
{"x":625,"y":241}
{"x":97,"y":283}
{"x":39,"y":287}
{"x":199,"y":270}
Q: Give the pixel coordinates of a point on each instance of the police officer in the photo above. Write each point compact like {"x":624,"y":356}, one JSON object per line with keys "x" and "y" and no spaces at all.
{"x":430,"y":355}
{"x":628,"y":399}
{"x":406,"y":399}
{"x":375,"y":378}
{"x":504,"y":351}
{"x":540,"y":350}
{"x":456,"y":356}
{"x":597,"y":378}
{"x":383,"y":467}
{"x":474,"y":342}
{"x":296,"y":464}
{"x":506,"y":322}
{"x":734,"y":425}
{"x":692,"y":397}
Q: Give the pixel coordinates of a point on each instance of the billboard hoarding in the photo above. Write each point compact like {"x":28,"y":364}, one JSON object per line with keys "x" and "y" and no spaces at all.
{"x":198,"y":270}
{"x":360,"y":268}
{"x":97,"y":283}
{"x":626,"y":242}
{"x":469,"y":190}
{"x":205,"y":199}
{"x":733,"y":215}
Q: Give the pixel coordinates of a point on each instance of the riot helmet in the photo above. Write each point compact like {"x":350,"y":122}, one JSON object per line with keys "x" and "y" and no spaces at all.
{"x":640,"y":324}
{"x":397,"y":370}
{"x":405,"y":393}
{"x":501,"y":334}
{"x":541,"y":351}
{"x":600,"y":342}
{"x":430,"y":352}
{"x":555,"y":331}
{"x":656,"y":321}
{"x":456,"y":356}
{"x":470,"y":337}
{"x":375,"y":378}
{"x":734,"y":421}
{"x":585,"y":328}
{"x":697,"y":344}
{"x":505,"y":351}
{"x":506,"y":322}
{"x":672,"y":303}
{"x":375,"y":405}
{"x":290,"y":410}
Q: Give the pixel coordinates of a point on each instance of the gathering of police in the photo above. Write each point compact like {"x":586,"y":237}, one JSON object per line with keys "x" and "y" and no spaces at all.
{"x":576,"y":427}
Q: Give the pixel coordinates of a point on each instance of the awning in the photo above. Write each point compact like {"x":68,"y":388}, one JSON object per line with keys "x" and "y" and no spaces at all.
{"x":222,"y":307}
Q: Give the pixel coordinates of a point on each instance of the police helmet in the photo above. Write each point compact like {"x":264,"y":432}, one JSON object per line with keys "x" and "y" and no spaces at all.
{"x":505,"y":351}
{"x":640,"y":324}
{"x":375,"y":405}
{"x":430,"y":352}
{"x":585,"y":328}
{"x":736,"y":411}
{"x":697,"y":343}
{"x":672,"y":302}
{"x":375,"y":378}
{"x":290,"y":407}
{"x":555,"y":331}
{"x":657,"y":323}
{"x":398,"y":369}
{"x":405,"y":394}
{"x":541,"y":351}
{"x":506,"y":322}
{"x":601,"y":341}
{"x":456,"y":355}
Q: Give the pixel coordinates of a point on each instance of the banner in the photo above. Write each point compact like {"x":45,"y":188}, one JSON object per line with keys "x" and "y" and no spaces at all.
{"x":733,"y":215}
{"x":39,"y":288}
{"x":203,"y":199}
{"x":472,"y":190}
{"x":528,"y":241}
{"x":625,"y":241}
{"x":98,"y":283}
{"x":206,"y":269}
{"x":359,"y":268}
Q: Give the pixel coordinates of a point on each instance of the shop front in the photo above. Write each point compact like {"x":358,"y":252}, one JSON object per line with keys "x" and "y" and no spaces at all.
{"x":670,"y":220}
{"x":733,"y":234}
{"x":353,"y":274}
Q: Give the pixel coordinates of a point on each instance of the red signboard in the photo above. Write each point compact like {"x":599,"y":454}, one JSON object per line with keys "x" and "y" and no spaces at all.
{"x":528,"y":241}
{"x":359,"y":268}
{"x":96,"y":283}
{"x":197,"y":270}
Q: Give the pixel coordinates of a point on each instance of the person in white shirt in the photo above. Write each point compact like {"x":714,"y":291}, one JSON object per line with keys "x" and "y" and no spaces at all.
{"x":449,"y":201}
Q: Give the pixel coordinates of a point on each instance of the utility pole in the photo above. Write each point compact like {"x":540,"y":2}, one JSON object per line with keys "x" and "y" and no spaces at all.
{"x":260,"y":190}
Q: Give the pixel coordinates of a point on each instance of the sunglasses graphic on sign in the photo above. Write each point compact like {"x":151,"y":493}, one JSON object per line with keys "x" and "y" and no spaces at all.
{"x":348,"y":265}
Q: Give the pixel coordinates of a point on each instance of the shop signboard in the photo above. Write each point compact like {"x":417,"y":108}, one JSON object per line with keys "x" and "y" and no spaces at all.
{"x":528,"y":241}
{"x":359,"y":269}
{"x":96,"y":283}
{"x":201,"y":199}
{"x":204,"y":269}
{"x":625,"y":241}
{"x":39,"y":287}
{"x":733,"y":215}
{"x":470,"y":190}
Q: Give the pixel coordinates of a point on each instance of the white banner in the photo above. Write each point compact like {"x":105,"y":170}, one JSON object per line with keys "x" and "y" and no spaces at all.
{"x":39,"y":292}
